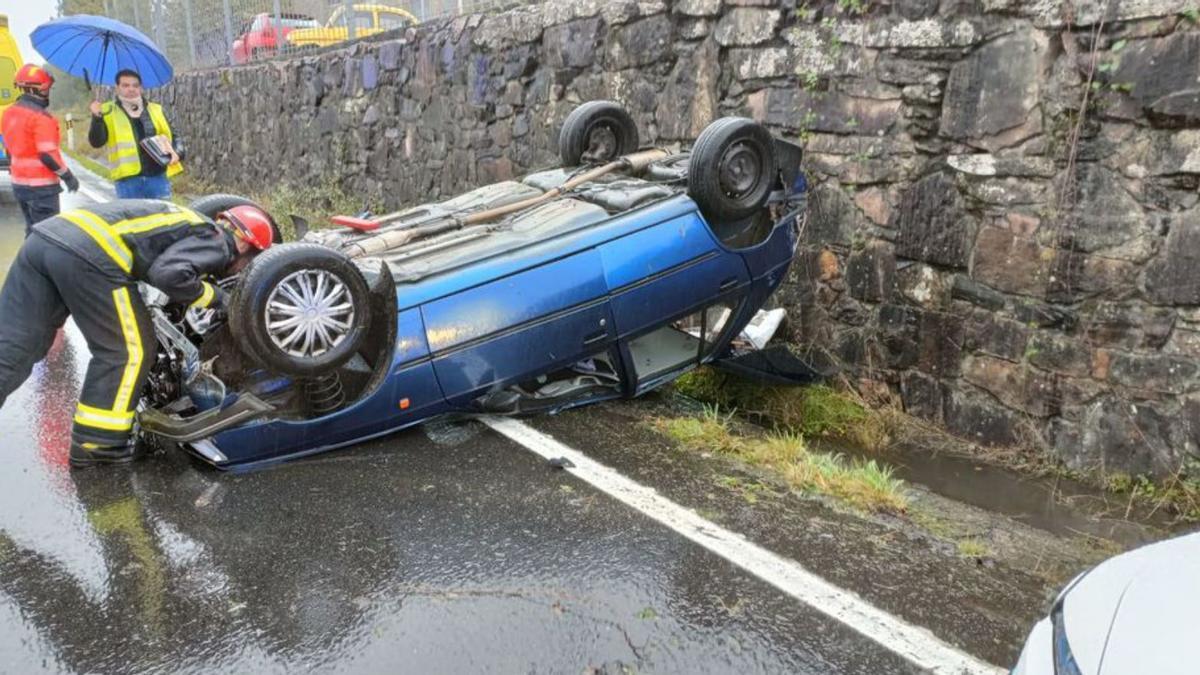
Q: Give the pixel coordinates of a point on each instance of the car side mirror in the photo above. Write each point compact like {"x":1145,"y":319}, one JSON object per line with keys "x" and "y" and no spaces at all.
{"x":301,"y":226}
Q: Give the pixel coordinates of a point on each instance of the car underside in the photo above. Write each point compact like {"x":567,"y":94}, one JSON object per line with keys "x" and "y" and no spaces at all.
{"x":602,"y":279}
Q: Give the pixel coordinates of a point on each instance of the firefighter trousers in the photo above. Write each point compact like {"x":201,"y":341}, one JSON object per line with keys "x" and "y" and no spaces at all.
{"x":47,"y":283}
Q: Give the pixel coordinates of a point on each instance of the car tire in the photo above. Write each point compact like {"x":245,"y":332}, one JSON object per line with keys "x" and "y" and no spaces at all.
{"x":732,"y":169}
{"x":209,"y":206}
{"x":597,"y":132}
{"x":270,"y":293}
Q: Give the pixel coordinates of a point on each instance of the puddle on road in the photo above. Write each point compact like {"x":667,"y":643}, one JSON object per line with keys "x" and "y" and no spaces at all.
{"x":1061,"y":506}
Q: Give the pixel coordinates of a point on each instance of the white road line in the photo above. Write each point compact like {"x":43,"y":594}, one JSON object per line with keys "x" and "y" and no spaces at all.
{"x":93,"y":195}
{"x":86,"y":191}
{"x":917,"y":645}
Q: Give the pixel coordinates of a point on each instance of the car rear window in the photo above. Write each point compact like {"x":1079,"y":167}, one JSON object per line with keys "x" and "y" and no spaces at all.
{"x":288,"y":21}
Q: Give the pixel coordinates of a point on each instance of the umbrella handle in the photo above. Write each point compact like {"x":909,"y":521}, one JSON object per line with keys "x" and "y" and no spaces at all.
{"x":87,"y":82}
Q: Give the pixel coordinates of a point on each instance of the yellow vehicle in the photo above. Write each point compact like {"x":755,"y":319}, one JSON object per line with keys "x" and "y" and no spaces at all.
{"x":10,"y":63}
{"x":366,"y":19}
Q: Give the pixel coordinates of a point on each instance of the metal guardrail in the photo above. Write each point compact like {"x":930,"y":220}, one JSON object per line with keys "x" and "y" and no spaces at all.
{"x":207,"y":33}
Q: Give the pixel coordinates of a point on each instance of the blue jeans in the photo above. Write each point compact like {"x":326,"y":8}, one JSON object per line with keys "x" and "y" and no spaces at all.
{"x":37,"y":203}
{"x":144,"y":187}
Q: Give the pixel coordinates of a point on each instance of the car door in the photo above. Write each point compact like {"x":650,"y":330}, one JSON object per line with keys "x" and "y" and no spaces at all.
{"x":674,"y":289}
{"x":518,"y":326}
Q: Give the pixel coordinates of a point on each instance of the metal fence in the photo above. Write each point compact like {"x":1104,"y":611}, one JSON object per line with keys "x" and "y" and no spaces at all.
{"x":206,"y":33}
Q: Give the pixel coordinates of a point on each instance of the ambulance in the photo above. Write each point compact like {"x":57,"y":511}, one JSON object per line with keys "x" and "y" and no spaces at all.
{"x":10,"y":62}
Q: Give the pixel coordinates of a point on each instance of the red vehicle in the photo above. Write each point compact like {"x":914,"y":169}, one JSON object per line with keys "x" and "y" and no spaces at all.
{"x":258,"y":39}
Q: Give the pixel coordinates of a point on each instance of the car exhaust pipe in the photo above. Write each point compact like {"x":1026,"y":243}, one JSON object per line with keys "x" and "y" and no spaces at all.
{"x":634,"y":163}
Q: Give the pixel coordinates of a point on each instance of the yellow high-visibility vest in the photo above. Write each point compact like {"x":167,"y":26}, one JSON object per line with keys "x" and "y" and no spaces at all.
{"x":122,"y":144}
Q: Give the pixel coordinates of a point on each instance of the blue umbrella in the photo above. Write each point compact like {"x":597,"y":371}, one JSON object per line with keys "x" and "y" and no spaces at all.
{"x":97,"y":48}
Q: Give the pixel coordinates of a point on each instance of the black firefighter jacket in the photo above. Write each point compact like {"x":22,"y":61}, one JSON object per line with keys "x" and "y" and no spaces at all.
{"x":165,"y":245}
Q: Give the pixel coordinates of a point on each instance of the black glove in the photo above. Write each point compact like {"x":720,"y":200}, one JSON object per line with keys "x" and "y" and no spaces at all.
{"x":71,"y":181}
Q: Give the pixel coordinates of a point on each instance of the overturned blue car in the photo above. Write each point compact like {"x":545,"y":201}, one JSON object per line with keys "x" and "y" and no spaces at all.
{"x":603,"y":279}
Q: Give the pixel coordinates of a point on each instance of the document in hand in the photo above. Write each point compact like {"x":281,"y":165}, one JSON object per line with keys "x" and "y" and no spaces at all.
{"x":159,"y":148}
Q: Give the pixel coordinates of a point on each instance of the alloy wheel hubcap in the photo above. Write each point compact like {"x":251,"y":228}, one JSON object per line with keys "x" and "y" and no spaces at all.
{"x":309,"y":313}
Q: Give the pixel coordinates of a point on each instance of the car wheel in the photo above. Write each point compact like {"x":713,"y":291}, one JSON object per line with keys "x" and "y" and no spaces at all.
{"x":597,"y":132}
{"x":300,"y":309}
{"x":209,"y":206}
{"x":732,"y":169}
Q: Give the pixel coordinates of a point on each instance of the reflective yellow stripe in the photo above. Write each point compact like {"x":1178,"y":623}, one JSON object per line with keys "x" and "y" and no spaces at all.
{"x":122,"y":144}
{"x":133,"y":346}
{"x":178,"y":216}
{"x":108,"y":240}
{"x":206,"y":296}
{"x":108,"y":420}
{"x":163,"y":127}
{"x":155,"y":221}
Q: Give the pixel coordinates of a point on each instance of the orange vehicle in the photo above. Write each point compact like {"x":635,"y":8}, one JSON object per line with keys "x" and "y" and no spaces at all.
{"x":10,"y":62}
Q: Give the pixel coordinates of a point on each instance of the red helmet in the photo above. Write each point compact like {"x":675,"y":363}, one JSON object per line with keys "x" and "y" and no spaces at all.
{"x":252,"y":224}
{"x":35,"y":78}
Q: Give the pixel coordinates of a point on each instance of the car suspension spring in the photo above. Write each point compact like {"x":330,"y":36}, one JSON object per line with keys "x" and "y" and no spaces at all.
{"x":325,"y":393}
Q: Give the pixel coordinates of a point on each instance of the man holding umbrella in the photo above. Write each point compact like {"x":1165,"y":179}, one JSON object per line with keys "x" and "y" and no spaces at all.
{"x":32,"y":137}
{"x":136,"y":133}
{"x":123,"y":125}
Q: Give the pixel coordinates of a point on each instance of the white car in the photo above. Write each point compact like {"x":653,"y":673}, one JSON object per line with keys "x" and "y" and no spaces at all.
{"x":1136,"y":613}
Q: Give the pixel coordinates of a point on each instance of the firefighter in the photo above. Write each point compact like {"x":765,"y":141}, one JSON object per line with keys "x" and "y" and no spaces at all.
{"x":86,"y":263}
{"x":31,"y":135}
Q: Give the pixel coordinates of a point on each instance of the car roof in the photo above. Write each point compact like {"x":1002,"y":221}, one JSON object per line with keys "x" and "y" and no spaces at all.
{"x":380,"y":8}
{"x":284,"y":15}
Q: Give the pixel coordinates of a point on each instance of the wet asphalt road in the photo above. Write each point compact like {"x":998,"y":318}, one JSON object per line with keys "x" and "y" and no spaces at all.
{"x":441,"y":549}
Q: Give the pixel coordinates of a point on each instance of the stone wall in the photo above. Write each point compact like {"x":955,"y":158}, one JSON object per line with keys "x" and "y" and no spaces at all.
{"x":1003,"y":225}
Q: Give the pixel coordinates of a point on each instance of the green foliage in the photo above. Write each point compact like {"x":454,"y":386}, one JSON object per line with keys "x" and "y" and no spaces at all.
{"x":853,"y":6}
{"x":88,"y":163}
{"x":866,"y":486}
{"x":316,"y":202}
{"x":1178,"y":494}
{"x":709,"y":431}
{"x":69,"y":7}
{"x":806,"y":124}
{"x":817,"y":410}
{"x":825,"y":411}
{"x":1191,"y":14}
{"x":973,"y":548}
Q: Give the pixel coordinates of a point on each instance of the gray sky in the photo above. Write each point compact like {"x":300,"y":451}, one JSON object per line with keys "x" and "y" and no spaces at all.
{"x":23,"y":17}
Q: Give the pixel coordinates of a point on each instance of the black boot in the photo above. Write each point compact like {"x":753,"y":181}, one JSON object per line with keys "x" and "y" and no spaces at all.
{"x":91,"y":454}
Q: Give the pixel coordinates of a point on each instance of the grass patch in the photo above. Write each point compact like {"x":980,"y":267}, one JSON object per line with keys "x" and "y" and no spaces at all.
{"x":868,"y":486}
{"x":1178,"y":494}
{"x":973,"y":548}
{"x":813,"y":411}
{"x":709,"y":431}
{"x":316,"y":203}
{"x":88,"y":163}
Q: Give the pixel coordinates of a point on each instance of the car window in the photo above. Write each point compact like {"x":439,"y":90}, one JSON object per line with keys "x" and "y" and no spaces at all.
{"x":258,"y":24}
{"x":8,"y":70}
{"x":299,"y":23}
{"x":389,"y":21}
{"x":335,"y":19}
{"x":681,"y":342}
{"x":364,"y":20}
